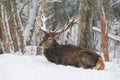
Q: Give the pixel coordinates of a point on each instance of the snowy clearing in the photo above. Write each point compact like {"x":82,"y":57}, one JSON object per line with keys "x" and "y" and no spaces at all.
{"x":24,"y":67}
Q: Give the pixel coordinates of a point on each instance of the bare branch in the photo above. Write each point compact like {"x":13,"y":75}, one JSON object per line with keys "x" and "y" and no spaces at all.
{"x":20,"y":12}
{"x":114,"y":3}
{"x":111,"y":36}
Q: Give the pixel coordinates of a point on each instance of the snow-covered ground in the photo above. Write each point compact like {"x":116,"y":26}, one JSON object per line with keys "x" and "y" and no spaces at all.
{"x":24,"y":67}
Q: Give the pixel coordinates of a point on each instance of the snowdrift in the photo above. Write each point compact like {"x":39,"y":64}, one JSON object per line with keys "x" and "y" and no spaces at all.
{"x":24,"y":67}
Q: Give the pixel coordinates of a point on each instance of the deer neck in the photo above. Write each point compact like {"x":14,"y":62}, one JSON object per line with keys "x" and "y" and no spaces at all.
{"x":54,"y":45}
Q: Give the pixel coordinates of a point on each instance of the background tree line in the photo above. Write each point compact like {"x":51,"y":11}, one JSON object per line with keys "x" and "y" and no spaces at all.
{"x":18,"y":30}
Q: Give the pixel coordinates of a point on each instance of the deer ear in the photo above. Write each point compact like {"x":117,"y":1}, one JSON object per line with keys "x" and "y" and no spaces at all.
{"x":46,"y":34}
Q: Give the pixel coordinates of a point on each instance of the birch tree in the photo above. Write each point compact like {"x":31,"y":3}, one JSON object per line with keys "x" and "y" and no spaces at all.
{"x":5,"y":27}
{"x":43,"y":11}
{"x":29,"y":29}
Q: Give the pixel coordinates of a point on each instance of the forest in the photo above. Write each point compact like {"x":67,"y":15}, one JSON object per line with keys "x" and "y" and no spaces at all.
{"x":97,"y":28}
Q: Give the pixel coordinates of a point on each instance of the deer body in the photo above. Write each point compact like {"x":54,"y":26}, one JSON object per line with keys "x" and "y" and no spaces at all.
{"x":71,"y":55}
{"x":58,"y":53}
{"x":68,"y":54}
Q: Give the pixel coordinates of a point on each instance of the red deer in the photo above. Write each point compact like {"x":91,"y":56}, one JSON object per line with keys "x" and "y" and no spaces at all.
{"x":66,"y":54}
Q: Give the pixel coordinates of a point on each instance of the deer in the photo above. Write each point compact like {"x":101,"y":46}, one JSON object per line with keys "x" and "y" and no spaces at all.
{"x":66,"y":54}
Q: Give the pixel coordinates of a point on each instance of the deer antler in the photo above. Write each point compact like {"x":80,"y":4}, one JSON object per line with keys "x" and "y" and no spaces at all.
{"x":68,"y":25}
{"x":41,"y":22}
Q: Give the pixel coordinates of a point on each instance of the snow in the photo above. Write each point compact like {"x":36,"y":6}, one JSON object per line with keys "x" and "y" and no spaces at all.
{"x":30,"y":50}
{"x":24,"y":67}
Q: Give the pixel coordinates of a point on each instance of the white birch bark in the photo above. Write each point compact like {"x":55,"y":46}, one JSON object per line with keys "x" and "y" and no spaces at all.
{"x":32,"y":17}
{"x":5,"y":32}
{"x":19,"y":15}
{"x":8,"y":33}
{"x":15,"y":27}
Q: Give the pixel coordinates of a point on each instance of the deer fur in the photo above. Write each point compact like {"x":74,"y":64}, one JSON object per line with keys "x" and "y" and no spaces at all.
{"x":71,"y":55}
{"x":67,"y":54}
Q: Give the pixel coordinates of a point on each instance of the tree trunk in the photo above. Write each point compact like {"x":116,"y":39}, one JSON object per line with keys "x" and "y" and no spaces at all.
{"x":9,"y":25}
{"x":85,"y":32}
{"x":44,"y":7}
{"x":56,"y":16}
{"x":39,"y":34}
{"x":1,"y":39}
{"x":29,"y":29}
{"x":104,"y":37}
{"x":3,"y":28}
{"x":12,"y":24}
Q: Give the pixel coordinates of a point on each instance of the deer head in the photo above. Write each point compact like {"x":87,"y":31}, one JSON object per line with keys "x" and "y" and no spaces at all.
{"x":50,"y":36}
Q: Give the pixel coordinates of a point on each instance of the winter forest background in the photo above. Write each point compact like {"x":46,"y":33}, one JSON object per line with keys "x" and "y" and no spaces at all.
{"x":98,"y":29}
{"x":18,"y":31}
